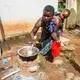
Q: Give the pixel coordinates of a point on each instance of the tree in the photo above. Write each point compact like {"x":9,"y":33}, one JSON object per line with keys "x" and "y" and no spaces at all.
{"x":61,"y":5}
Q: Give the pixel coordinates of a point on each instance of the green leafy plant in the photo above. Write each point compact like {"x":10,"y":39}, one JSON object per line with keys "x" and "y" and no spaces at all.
{"x":61,"y":5}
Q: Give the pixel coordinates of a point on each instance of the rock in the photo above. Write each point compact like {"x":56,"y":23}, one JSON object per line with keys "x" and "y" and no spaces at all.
{"x":62,"y":69}
{"x":77,"y":31}
{"x":70,"y":47}
{"x":64,"y":41}
{"x":76,"y":78}
{"x":58,"y":62}
{"x":69,"y":55}
{"x":62,"y":45}
{"x":22,"y":37}
{"x":69,"y":76}
{"x":67,"y":79}
{"x":33,"y":68}
{"x":67,"y":48}
{"x":61,"y":54}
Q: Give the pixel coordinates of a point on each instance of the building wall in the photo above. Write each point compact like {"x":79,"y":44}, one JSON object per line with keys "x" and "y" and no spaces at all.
{"x":78,"y":13}
{"x":72,"y":6}
{"x":20,"y":15}
{"x":24,"y":9}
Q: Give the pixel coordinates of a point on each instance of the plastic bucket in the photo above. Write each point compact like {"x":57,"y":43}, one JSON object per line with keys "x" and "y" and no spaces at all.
{"x":55,"y":49}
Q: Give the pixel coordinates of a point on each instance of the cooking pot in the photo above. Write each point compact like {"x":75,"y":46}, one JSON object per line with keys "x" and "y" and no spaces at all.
{"x":28,"y":53}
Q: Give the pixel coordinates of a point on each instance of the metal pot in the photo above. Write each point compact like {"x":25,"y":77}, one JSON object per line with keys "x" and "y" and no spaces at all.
{"x":28,"y":53}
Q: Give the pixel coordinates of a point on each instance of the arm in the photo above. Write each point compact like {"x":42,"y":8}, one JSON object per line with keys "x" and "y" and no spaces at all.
{"x":54,"y":34}
{"x":35,"y":28}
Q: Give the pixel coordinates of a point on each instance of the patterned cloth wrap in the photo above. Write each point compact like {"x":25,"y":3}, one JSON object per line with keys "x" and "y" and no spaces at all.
{"x":46,"y":45}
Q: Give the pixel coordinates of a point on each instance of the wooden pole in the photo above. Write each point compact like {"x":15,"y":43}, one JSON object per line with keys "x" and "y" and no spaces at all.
{"x":4,"y":44}
{"x":2,"y":31}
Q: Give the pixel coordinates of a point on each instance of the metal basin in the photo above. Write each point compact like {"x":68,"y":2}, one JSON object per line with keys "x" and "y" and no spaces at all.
{"x":28,"y":53}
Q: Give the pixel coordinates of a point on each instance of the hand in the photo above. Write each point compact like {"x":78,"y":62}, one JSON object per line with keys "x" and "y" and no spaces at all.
{"x":58,"y":41}
{"x":33,"y":40}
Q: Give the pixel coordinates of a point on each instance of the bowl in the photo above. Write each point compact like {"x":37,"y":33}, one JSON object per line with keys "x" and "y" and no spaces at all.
{"x":28,"y":53}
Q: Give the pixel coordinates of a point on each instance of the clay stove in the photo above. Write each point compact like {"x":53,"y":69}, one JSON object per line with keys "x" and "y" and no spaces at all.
{"x":29,"y":56}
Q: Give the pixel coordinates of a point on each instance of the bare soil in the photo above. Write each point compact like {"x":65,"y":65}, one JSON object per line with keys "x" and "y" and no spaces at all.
{"x":52,"y":72}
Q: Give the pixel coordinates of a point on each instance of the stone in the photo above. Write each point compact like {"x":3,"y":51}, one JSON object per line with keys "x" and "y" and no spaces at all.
{"x":67,"y":79}
{"x":58,"y":62}
{"x":33,"y":68}
{"x":70,"y":75}
{"x":64,"y":40}
{"x":67,"y":48}
{"x":22,"y":37}
{"x":61,"y":54}
{"x":76,"y":78}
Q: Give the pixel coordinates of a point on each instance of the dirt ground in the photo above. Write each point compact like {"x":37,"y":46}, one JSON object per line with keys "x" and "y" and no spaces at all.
{"x":52,"y":72}
{"x":74,"y":40}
